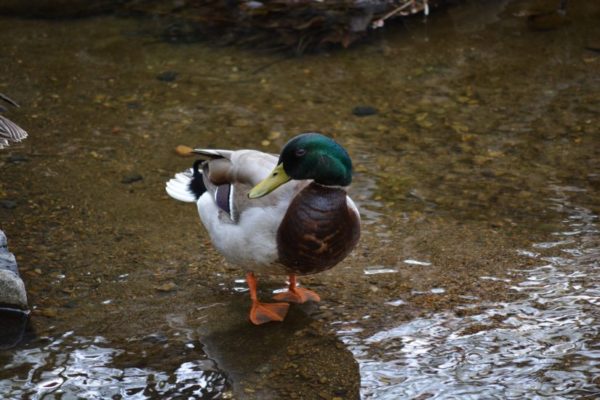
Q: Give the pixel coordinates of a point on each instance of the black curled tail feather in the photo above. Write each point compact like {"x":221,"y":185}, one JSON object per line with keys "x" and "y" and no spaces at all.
{"x":197,"y":185}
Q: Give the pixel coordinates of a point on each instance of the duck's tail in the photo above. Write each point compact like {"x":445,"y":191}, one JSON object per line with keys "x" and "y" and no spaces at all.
{"x":187,"y":186}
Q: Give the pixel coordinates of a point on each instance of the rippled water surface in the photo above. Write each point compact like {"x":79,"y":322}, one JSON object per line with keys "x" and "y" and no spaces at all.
{"x":543,"y":346}
{"x":78,"y":367}
{"x":477,"y":178}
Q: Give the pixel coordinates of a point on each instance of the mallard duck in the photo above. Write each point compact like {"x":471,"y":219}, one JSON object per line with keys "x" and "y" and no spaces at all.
{"x":286,"y":215}
{"x":9,"y":131}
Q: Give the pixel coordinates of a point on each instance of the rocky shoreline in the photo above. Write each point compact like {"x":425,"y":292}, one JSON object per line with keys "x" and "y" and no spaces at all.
{"x":277,"y":25}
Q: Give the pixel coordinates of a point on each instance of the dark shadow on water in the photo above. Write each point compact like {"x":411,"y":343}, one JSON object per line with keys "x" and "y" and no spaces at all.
{"x":14,"y":327}
{"x":298,"y":358}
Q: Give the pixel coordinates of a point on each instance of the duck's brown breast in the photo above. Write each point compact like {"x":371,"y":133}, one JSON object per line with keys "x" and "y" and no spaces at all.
{"x":318,"y":230}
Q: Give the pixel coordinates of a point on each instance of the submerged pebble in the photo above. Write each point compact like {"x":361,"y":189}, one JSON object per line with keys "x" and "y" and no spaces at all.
{"x":8,"y":204}
{"x":131,"y":178}
{"x":49,"y":312}
{"x":166,"y":287}
{"x":364,"y":111}
{"x":156,"y":338}
{"x":184,"y":151}
{"x":16,"y":158}
{"x":167,"y":76}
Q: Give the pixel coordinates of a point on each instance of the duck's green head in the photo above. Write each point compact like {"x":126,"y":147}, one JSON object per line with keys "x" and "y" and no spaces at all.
{"x":308,"y":156}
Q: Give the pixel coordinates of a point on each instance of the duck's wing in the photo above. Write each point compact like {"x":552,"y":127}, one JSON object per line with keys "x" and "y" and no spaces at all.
{"x":10,"y":132}
{"x":228,"y":176}
{"x":236,"y":167}
{"x":229,"y":179}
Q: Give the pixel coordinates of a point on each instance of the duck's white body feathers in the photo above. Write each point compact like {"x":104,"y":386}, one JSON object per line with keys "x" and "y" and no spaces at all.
{"x":251,"y":242}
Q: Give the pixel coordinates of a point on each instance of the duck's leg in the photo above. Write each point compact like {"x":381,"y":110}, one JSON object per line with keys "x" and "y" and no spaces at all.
{"x":261,"y":313}
{"x":297,"y":294}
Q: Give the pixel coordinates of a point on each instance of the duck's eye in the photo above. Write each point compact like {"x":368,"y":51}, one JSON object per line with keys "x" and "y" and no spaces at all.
{"x":300,"y":152}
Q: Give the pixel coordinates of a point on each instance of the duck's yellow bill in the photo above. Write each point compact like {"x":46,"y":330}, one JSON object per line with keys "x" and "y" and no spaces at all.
{"x":275,"y":179}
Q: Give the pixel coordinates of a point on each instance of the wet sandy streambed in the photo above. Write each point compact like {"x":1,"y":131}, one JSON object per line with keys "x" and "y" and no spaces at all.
{"x":477,"y":178}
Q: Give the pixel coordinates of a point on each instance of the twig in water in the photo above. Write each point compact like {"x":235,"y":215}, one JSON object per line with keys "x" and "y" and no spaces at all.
{"x":378,"y":23}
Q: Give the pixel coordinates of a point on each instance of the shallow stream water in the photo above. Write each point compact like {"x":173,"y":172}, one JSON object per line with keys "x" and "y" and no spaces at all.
{"x":477,"y":180}
{"x":544,"y":345}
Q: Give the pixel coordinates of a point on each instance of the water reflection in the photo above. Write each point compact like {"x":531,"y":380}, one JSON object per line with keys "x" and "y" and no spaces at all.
{"x":14,"y":324}
{"x":544,"y":346}
{"x":71,"y":366}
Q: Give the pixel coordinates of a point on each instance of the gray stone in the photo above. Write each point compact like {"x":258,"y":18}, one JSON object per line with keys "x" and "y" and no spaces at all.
{"x":8,"y":262}
{"x":12,"y":288}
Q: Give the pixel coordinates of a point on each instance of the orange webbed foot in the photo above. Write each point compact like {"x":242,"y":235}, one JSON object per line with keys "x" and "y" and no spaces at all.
{"x":297,"y":295}
{"x":261,"y":313}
